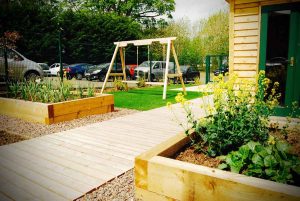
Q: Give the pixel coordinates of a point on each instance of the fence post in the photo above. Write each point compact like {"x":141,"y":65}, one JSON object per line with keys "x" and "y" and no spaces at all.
{"x":60,"y":55}
{"x":207,"y":69}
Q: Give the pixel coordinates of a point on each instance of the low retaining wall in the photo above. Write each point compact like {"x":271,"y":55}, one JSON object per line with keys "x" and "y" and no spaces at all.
{"x":49,"y":113}
{"x":160,"y":178}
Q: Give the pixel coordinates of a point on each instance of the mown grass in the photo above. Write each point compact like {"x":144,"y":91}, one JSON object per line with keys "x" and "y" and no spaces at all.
{"x":148,"y":98}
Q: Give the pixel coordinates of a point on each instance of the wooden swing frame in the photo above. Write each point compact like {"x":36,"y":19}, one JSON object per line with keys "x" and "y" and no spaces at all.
{"x":169,"y":41}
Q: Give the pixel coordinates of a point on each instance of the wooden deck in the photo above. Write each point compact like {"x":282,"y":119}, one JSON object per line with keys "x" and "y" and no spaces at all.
{"x":66,"y":165}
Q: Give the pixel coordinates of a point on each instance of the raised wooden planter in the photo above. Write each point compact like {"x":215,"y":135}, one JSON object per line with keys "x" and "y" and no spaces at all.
{"x":49,"y":113}
{"x":160,"y":178}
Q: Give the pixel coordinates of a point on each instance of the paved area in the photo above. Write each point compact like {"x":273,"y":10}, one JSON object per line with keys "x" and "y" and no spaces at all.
{"x":66,"y":165}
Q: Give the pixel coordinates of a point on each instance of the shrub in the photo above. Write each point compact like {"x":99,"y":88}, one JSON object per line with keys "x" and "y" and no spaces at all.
{"x":141,"y":82}
{"x":240,"y":114}
{"x":119,"y":85}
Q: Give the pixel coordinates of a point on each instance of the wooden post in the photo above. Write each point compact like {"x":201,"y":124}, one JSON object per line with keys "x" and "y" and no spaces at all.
{"x":122,"y":62}
{"x":123,"y":66}
{"x":167,"y":70}
{"x":178,"y":68}
{"x":110,"y":67}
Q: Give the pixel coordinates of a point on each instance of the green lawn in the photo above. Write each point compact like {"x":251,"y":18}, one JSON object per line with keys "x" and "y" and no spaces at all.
{"x":148,"y":98}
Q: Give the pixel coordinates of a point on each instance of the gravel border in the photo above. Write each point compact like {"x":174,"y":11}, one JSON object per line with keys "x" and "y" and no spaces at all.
{"x":118,"y":189}
{"x":28,"y":130}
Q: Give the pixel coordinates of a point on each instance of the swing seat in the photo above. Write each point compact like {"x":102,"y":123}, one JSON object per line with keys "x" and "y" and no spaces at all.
{"x":116,"y":74}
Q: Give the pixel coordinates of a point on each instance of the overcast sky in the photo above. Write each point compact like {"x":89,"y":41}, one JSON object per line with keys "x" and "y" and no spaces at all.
{"x":197,"y":9}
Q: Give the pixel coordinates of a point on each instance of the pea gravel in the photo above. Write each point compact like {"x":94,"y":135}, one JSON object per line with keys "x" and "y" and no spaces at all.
{"x":118,"y":189}
{"x":27,"y":130}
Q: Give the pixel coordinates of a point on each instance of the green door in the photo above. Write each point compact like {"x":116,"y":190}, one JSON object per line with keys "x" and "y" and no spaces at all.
{"x":280,"y":51}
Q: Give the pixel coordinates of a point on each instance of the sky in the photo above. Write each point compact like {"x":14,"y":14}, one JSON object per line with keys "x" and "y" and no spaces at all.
{"x":197,"y":9}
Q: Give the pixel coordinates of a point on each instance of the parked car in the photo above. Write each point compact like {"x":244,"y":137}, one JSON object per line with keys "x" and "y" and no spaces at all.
{"x":45,"y":68}
{"x":19,"y":67}
{"x":98,"y":72}
{"x":76,"y":70}
{"x":223,"y":70}
{"x":55,"y":68}
{"x":189,"y":73}
{"x":157,"y":70}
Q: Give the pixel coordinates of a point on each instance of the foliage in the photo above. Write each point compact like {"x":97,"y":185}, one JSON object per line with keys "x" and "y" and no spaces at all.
{"x":119,"y":85}
{"x":47,"y":92}
{"x":271,"y":161}
{"x":197,"y":81}
{"x":9,"y":39}
{"x":90,"y":91}
{"x":86,"y":36}
{"x":213,"y":34}
{"x":148,"y":12}
{"x":147,"y":98}
{"x":141,"y":82}
{"x":208,"y":36}
{"x":238,"y":116}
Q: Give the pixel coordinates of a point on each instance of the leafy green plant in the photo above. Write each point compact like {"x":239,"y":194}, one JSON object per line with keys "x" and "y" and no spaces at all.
{"x":119,"y":85}
{"x":90,"y":91}
{"x":236,"y":117}
{"x":197,"y":81}
{"x":14,"y":89}
{"x":80,"y":91}
{"x":48,"y":91}
{"x":65,"y":91}
{"x":271,"y":161}
{"x":141,"y":82}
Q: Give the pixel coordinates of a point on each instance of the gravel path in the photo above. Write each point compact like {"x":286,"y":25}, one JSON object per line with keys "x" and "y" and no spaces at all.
{"x":119,"y":189}
{"x":17,"y":127}
{"x":14,"y":130}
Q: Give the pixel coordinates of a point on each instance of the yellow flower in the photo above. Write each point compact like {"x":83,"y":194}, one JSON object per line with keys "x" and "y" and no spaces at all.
{"x":180,"y":98}
{"x":169,"y":105}
{"x":271,"y":140}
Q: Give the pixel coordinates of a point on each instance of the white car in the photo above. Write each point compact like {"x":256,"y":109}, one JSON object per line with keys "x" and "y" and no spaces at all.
{"x":54,"y":69}
{"x":45,"y":68}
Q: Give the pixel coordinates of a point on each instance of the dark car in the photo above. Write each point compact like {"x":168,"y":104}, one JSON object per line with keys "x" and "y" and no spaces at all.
{"x":222,"y":70}
{"x":98,"y":72}
{"x":76,"y":70}
{"x":189,"y":73}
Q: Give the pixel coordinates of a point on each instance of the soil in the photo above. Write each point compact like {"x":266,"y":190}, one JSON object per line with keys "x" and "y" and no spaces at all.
{"x":188,"y":154}
{"x":292,"y":137}
{"x":9,"y":138}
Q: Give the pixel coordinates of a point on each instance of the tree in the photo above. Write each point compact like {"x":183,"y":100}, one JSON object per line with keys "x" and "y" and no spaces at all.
{"x":148,"y":12}
{"x":214,"y":33}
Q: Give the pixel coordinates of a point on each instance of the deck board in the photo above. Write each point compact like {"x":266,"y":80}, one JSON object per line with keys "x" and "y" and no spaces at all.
{"x":66,"y":165}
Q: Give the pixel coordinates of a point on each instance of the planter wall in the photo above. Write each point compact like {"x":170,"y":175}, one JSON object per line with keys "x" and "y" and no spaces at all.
{"x":160,"y":178}
{"x":56,"y":112}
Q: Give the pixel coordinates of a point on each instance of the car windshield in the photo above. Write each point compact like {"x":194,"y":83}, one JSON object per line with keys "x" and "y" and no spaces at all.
{"x":145,"y":64}
{"x":98,"y":67}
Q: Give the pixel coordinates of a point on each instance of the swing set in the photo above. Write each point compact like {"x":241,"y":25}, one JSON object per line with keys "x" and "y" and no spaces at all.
{"x":120,"y":46}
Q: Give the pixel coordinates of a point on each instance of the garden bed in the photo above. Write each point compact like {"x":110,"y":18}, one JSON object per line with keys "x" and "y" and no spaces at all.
{"x":49,"y":113}
{"x":159,"y":176}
